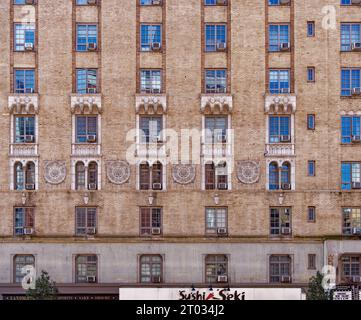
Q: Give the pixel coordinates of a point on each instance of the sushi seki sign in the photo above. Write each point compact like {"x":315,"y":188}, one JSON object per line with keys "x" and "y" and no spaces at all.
{"x":203,"y":294}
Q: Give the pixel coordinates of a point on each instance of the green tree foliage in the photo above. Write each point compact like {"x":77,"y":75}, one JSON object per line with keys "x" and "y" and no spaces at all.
{"x":45,"y":289}
{"x":315,"y":290}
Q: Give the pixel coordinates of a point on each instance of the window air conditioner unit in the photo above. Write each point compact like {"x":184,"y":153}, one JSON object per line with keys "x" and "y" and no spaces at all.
{"x":356,"y":185}
{"x":221,"y":46}
{"x":91,"y":279}
{"x":156,"y":2}
{"x":222,"y":186}
{"x":29,"y":138}
{"x":91,"y":230}
{"x":356,"y":231}
{"x":285,"y":230}
{"x":28,"y":46}
{"x":157,"y":186}
{"x":286,"y":186}
{"x":29,"y":1}
{"x":355,"y":2}
{"x":92,"y":2}
{"x":155,"y":90}
{"x":155,"y":279}
{"x":222,"y":279}
{"x":356,"y":91}
{"x":285,"y":90}
{"x":91,"y":138}
{"x":286,"y":279}
{"x":285,"y":138}
{"x":156,"y":231}
{"x":156,"y":46}
{"x":30,"y":186}
{"x":92,"y":90}
{"x":222,"y":231}
{"x":28,"y":231}
{"x":92,"y":186}
{"x":92,"y":46}
{"x":356,"y":138}
{"x":356,"y":279}
{"x":356,"y":46}
{"x":285,"y":46}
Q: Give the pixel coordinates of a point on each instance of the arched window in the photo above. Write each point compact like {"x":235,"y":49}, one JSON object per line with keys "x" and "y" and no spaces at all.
{"x":151,"y":268}
{"x":30,"y":176}
{"x":210,"y":176}
{"x":216,"y":267}
{"x":144,"y":176}
{"x":92,"y":176}
{"x":18,"y":176}
{"x":273,"y":176}
{"x":157,"y":172}
{"x":79,"y":175}
{"x":286,"y":176}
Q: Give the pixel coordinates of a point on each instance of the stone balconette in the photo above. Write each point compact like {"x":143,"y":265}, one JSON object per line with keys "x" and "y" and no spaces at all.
{"x":23,"y":103}
{"x":86,"y":102}
{"x":220,"y":102}
{"x":23,"y":150}
{"x":86,"y":150}
{"x":280,"y":149}
{"x":275,"y":103}
{"x":155,"y":103}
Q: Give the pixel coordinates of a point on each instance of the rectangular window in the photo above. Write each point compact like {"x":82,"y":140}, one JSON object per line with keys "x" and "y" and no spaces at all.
{"x":350,"y":81}
{"x":215,"y":2}
{"x":350,"y":267}
{"x":151,"y":81}
{"x":280,"y":221}
{"x":84,"y":2}
{"x":311,"y":73}
{"x":23,"y":219}
{"x":86,"y":269}
{"x":85,"y":220}
{"x":216,"y":129}
{"x":86,"y":81}
{"x":311,"y":122}
{"x":311,"y":262}
{"x":280,"y":269}
{"x":311,"y":168}
{"x":86,"y":37}
{"x":216,"y":221}
{"x":350,"y":175}
{"x":310,"y":29}
{"x":151,"y":268}
{"x":150,"y":2}
{"x":86,"y":129}
{"x":216,"y":266}
{"x":150,"y":129}
{"x":150,"y":37}
{"x":20,"y":261}
{"x":150,"y":221}
{"x":24,"y":36}
{"x":279,"y":129}
{"x":350,"y":129}
{"x":216,"y":81}
{"x":351,"y":218}
{"x":279,"y":37}
{"x":216,"y":37}
{"x":24,"y":80}
{"x":311,"y":214}
{"x":350,"y":34}
{"x":279,"y":81}
{"x":24,"y":129}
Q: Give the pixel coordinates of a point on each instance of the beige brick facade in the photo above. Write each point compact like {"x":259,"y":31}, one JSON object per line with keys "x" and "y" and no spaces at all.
{"x":182,"y":59}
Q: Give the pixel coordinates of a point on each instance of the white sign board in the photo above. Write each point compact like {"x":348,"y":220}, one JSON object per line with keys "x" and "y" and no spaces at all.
{"x":206,"y":294}
{"x":342,"y":295}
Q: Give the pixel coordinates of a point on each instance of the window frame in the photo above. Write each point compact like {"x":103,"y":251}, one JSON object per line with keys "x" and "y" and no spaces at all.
{"x":313,"y":209}
{"x":209,"y":231}
{"x":313,"y":116}
{"x":151,"y":263}
{"x":279,"y":89}
{"x":78,"y":89}
{"x":311,"y":24}
{"x":87,"y":265}
{"x":350,"y":222}
{"x":25,"y":224}
{"x":280,"y":274}
{"x":32,"y":89}
{"x":215,"y":25}
{"x":86,"y":220}
{"x":279,"y":42}
{"x":147,"y":47}
{"x":352,"y":174}
{"x":25,"y":128}
{"x":152,"y":78}
{"x":143,"y":230}
{"x":24,"y":30}
{"x":216,"y":266}
{"x":217,"y":81}
{"x":276,"y":231}
{"x":86,"y":44}
{"x":311,"y":173}
{"x":311,"y":261}
{"x":15,"y":276}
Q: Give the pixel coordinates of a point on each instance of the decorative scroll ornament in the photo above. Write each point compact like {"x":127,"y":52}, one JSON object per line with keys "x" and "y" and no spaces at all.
{"x":118,"y":172}
{"x":248,"y":171}
{"x":184,"y":173}
{"x":55,"y":172}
